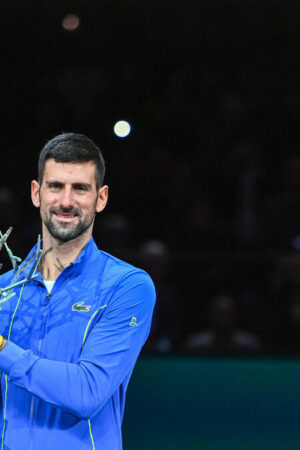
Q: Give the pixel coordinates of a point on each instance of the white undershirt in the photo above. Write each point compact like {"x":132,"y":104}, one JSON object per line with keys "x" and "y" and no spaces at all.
{"x":49,"y":285}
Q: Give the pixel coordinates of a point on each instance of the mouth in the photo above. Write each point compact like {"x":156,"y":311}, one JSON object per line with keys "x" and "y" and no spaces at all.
{"x":65,"y":217}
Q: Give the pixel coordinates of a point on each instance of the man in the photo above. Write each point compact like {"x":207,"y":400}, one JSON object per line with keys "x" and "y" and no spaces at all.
{"x":71,"y":336}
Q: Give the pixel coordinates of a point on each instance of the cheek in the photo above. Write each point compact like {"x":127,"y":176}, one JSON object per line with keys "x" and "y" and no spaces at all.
{"x":89,"y":204}
{"x":91,"y":207}
{"x":44,"y":206}
{"x":48,"y":199}
{"x":88,"y":208}
{"x":43,"y":212}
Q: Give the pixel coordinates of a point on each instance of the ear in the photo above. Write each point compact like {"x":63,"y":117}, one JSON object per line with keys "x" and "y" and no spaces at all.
{"x":35,"y":193}
{"x":102,"y":198}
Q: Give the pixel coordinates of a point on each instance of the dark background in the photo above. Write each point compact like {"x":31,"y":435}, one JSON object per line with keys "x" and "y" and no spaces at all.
{"x":205,"y":191}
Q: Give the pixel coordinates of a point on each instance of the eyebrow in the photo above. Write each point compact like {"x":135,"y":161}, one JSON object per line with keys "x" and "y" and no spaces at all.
{"x":79,"y":183}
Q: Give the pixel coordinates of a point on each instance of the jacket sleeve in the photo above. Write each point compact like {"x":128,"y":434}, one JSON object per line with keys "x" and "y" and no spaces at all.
{"x":108,"y":355}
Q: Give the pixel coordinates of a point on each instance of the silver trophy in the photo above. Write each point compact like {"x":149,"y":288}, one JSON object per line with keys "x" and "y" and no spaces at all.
{"x":8,"y":291}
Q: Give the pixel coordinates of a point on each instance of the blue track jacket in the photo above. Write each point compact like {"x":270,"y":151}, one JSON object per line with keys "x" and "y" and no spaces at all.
{"x":66,"y":367}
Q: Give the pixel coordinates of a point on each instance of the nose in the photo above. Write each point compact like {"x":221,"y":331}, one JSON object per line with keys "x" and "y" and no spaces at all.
{"x":66,"y":200}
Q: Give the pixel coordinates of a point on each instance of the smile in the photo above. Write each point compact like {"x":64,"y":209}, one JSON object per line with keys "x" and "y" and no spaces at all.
{"x":64,"y":217}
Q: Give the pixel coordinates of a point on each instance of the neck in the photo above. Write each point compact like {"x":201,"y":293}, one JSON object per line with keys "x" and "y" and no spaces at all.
{"x":57,"y":255}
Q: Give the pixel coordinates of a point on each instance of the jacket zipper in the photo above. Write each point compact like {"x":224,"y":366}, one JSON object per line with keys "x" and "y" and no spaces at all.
{"x":33,"y":398}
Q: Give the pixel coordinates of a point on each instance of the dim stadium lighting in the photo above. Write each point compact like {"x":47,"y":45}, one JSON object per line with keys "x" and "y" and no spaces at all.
{"x":70,"y":22}
{"x":122,"y":128}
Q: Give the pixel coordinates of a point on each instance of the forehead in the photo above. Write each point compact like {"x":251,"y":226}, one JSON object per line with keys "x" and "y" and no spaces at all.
{"x":69,"y":172}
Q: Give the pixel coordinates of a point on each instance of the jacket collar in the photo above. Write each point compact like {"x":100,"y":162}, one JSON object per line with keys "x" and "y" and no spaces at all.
{"x":77,"y":266}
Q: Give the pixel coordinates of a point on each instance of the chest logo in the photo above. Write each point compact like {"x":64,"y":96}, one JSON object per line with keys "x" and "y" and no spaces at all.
{"x":80,"y":306}
{"x":133,"y":322}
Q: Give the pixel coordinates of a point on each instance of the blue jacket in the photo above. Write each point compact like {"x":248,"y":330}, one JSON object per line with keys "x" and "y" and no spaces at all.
{"x":70,"y":354}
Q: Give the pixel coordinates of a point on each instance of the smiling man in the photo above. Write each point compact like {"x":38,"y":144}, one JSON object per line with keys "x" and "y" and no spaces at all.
{"x":70,"y":337}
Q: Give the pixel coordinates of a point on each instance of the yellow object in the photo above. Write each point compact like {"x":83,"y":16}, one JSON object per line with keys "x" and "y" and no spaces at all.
{"x":1,"y":341}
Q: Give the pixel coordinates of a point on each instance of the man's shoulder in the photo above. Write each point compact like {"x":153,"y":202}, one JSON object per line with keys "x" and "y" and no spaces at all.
{"x":112,"y":263}
{"x":127,"y":284}
{"x":123,"y":271}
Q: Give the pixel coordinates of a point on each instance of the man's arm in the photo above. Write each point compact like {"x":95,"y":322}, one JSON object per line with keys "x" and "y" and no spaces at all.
{"x":108,"y":355}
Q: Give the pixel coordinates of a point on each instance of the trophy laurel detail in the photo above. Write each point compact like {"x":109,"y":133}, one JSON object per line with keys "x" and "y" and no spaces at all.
{"x":7,"y":292}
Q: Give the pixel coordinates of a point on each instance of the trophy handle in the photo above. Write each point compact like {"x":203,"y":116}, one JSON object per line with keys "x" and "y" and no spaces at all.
{"x":7,"y":292}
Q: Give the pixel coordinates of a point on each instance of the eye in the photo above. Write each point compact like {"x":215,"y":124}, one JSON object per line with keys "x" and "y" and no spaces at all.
{"x":80,"y":188}
{"x":54,"y":186}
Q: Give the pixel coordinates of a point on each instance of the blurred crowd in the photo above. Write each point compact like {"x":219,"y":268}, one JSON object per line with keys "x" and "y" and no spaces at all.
{"x":224,"y":256}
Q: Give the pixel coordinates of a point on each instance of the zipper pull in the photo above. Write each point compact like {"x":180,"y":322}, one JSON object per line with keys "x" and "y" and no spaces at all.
{"x":46,"y":299}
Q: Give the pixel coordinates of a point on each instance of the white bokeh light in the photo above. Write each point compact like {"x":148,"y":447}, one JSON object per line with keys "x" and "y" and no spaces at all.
{"x":122,"y":128}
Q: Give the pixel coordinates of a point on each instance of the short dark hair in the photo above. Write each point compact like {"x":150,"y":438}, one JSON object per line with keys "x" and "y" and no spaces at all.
{"x":72,"y":147}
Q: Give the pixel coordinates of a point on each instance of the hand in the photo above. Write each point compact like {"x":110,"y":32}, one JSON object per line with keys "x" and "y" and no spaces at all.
{"x":3,"y":344}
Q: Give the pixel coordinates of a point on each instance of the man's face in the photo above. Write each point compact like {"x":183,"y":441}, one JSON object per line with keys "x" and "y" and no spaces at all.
{"x":68,"y":198}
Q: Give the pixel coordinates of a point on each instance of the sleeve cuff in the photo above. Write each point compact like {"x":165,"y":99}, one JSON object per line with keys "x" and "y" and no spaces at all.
{"x":9,"y":355}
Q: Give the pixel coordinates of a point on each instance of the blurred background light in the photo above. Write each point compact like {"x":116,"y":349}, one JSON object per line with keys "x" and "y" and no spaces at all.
{"x":296,"y":242}
{"x":70,"y":22}
{"x":122,"y":128}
